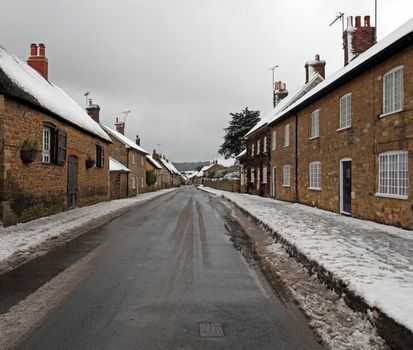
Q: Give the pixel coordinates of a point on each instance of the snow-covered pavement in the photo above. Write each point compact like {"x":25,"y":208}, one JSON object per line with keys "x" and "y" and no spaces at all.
{"x":22,"y":242}
{"x":374,"y":261}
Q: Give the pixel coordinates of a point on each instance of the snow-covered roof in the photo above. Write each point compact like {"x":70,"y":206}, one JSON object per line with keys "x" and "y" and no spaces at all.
{"x":166,"y":165}
{"x":244,"y":152}
{"x":361,"y":60}
{"x":122,"y":138}
{"x":153,"y":161}
{"x":19,"y":80}
{"x":114,"y":165}
{"x":315,"y":79}
{"x":175,"y":170}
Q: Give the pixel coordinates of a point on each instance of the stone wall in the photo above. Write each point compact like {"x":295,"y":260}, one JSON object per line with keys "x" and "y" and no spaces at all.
{"x":33,"y":190}
{"x":223,"y":185}
{"x":118,"y":182}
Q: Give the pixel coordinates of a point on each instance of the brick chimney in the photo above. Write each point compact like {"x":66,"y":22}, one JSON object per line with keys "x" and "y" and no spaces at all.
{"x":357,"y":38}
{"x":93,"y":110}
{"x":38,"y":60}
{"x":138,"y":140}
{"x":313,"y":66}
{"x":280,"y":92}
{"x":120,"y":126}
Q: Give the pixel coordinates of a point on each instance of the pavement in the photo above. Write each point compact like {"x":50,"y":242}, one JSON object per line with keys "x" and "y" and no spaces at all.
{"x":169,"y":278}
{"x":370,"y":263}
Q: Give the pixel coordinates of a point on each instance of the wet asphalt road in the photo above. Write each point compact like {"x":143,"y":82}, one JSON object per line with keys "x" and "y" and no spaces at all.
{"x":168,"y":267}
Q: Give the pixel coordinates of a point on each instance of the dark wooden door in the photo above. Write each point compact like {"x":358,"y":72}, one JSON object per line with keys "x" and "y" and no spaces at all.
{"x":346,"y":183}
{"x":72,"y":169}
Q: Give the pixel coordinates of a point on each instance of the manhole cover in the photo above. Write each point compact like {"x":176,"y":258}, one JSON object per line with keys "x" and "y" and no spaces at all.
{"x":210,"y":330}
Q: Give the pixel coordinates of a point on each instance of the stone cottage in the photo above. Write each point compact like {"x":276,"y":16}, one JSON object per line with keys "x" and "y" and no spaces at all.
{"x":53,"y":156}
{"x":350,"y":146}
{"x":153,"y":167}
{"x":128,"y":153}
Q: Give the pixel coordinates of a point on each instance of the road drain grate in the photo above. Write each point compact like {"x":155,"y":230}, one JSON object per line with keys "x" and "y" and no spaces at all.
{"x":210,"y":330}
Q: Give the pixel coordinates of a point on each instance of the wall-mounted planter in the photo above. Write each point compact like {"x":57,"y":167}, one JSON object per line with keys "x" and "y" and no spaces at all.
{"x":28,"y":155}
{"x":29,"y":151}
{"x":89,"y":163}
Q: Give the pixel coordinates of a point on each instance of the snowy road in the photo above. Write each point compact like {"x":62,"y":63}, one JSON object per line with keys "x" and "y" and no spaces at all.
{"x":169,"y":278}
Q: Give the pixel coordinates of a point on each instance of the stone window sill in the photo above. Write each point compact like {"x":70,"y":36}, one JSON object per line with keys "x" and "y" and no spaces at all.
{"x":394,"y":196}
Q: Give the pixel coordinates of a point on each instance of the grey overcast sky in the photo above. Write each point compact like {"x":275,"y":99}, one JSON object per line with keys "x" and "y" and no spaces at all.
{"x":181,"y":66}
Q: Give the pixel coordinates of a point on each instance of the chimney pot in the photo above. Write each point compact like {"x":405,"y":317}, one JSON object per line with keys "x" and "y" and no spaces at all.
{"x":120,"y":126}
{"x":93,"y":110}
{"x":138,"y":140}
{"x":37,"y":60}
{"x":33,"y":49}
{"x":349,"y":21}
{"x":357,"y":39}
{"x":317,"y":57}
{"x":42,"y":50}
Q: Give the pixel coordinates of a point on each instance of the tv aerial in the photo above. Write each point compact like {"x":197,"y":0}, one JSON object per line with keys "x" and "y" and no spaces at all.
{"x":339,"y":16}
{"x":125,"y":114}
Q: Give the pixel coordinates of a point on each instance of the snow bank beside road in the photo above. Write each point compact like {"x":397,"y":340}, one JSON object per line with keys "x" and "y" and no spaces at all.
{"x":23,"y":242}
{"x":375,"y":261}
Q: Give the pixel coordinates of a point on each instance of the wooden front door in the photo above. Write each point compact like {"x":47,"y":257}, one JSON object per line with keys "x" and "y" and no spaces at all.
{"x":72,"y":169}
{"x":346,"y":187}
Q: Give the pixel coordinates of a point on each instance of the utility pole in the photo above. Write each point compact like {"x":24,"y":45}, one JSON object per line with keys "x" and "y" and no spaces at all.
{"x":273,"y":86}
{"x":375,"y":21}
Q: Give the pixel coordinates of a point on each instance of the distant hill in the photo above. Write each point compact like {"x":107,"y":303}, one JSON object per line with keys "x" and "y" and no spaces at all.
{"x":186,"y":166}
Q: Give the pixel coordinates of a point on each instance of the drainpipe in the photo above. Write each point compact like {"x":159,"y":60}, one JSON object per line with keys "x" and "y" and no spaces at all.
{"x":127,"y":174}
{"x":296,"y":158}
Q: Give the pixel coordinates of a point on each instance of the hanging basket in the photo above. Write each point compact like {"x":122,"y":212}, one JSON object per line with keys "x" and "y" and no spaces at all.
{"x":28,"y":155}
{"x":89,"y":163}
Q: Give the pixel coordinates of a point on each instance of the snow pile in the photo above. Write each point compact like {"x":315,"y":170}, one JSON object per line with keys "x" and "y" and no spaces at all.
{"x":26,"y":239}
{"x":375,"y":261}
{"x":45,"y":94}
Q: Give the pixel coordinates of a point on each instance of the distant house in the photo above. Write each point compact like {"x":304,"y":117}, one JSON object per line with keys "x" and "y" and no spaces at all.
{"x":255,"y":166}
{"x":53,"y":156}
{"x":152,"y":166}
{"x":170,"y":176}
{"x":128,"y":153}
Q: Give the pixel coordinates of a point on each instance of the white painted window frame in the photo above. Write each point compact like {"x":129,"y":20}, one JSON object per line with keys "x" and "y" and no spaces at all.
{"x":390,"y":105}
{"x":315,"y":124}
{"x":286,"y":135}
{"x":393,"y":174}
{"x":345,"y":112}
{"x":286,"y":175}
{"x":46,"y":144}
{"x":274,"y":141}
{"x":314,"y":176}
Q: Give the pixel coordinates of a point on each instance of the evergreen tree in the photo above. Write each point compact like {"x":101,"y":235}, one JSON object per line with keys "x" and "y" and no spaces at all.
{"x":238,"y":126}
